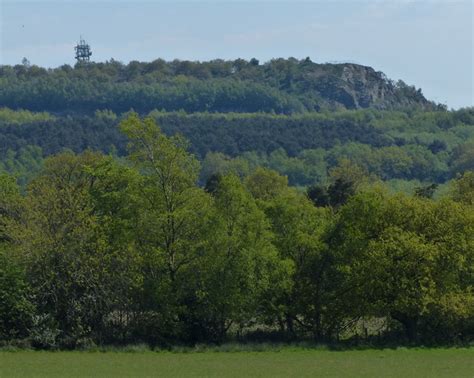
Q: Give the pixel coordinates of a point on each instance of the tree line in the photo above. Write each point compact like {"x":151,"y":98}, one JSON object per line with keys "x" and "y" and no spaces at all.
{"x":402,"y":147}
{"x":102,"y":250}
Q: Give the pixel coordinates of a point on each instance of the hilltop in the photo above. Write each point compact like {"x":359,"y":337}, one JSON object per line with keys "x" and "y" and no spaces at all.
{"x":281,"y":86}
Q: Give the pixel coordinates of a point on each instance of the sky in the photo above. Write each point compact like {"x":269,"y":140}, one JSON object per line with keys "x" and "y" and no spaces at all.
{"x":427,"y":43}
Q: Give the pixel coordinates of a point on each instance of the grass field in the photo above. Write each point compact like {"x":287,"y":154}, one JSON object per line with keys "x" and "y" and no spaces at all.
{"x":400,"y":363}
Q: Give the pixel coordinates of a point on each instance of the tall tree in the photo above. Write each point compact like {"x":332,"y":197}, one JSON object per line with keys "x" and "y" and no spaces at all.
{"x":16,"y":307}
{"x":173,"y":219}
{"x":74,"y":264}
{"x":242,"y":271}
{"x":404,"y":258}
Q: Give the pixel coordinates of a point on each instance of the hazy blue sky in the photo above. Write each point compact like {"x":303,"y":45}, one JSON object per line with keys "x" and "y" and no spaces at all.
{"x":425,"y":43}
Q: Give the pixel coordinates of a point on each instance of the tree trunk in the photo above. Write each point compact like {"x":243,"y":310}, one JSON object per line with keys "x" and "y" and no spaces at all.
{"x":410,"y":323}
{"x":290,"y":326}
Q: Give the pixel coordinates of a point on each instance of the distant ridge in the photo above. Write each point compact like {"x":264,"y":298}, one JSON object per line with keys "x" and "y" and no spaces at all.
{"x":282,"y":86}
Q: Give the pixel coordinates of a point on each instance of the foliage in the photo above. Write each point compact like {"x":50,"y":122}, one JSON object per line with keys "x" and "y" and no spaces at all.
{"x":390,"y":145}
{"x":463,"y":188}
{"x":16,"y":307}
{"x":104,"y":250}
{"x":283,"y":86}
{"x":22,"y":116}
{"x":406,"y":257}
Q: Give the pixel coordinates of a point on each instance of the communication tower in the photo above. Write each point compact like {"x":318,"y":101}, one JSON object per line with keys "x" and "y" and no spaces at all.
{"x":83,"y":51}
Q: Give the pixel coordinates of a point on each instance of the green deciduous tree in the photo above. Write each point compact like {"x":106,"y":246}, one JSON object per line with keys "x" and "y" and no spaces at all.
{"x":75,"y":262}
{"x":16,"y":306}
{"x":173,"y":218}
{"x":241,"y":272}
{"x":462,"y":188}
{"x":405,"y":258}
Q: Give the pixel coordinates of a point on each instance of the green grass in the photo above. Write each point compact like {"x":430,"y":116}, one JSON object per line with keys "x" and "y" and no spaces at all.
{"x":288,"y":362}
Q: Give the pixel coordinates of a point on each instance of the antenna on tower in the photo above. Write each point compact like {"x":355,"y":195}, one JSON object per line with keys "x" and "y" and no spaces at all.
{"x":83,"y":51}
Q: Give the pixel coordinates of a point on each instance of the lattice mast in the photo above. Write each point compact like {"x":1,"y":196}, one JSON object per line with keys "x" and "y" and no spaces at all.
{"x":83,"y":51}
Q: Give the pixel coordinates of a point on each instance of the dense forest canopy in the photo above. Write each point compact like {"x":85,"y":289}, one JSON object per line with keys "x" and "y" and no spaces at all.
{"x":282,"y":86}
{"x":416,"y":146}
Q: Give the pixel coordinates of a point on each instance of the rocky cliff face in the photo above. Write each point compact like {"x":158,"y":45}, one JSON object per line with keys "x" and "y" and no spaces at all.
{"x":355,"y":86}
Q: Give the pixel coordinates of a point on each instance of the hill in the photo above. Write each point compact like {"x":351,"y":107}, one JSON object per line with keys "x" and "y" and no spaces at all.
{"x":282,"y":86}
